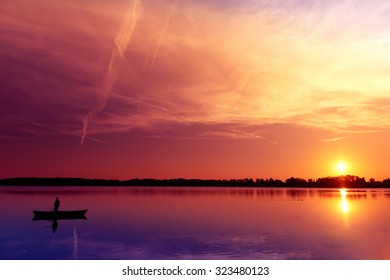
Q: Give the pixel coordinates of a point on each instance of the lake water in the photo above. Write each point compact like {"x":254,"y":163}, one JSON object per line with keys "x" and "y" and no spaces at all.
{"x":197,"y":223}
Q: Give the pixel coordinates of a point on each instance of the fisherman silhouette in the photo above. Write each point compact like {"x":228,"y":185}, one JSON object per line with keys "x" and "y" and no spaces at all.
{"x":56,"y":204}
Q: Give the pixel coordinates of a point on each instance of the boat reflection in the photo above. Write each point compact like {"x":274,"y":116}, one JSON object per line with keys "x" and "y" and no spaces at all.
{"x":54,"y":225}
{"x":54,"y":216}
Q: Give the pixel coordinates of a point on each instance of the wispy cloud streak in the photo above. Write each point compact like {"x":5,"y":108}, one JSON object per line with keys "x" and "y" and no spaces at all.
{"x":121,"y":43}
{"x":50,"y":127}
{"x":162,"y":33}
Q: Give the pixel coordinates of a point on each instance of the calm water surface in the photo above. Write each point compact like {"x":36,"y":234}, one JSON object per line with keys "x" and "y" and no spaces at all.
{"x":197,"y":223}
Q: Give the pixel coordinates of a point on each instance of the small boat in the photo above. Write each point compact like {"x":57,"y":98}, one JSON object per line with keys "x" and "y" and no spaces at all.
{"x":59,"y":215}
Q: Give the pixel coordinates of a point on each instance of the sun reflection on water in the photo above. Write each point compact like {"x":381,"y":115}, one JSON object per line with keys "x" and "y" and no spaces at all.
{"x":344,"y":205}
{"x":344,"y":201}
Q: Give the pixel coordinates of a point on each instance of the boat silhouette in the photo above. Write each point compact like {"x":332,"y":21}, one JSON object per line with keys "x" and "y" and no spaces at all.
{"x":59,"y":215}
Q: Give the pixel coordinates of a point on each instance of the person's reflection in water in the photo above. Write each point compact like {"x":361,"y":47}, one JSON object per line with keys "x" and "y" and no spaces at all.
{"x":54,"y":225}
{"x":56,"y":204}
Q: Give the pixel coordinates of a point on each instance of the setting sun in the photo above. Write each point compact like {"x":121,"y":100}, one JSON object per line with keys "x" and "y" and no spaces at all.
{"x":341,"y":167}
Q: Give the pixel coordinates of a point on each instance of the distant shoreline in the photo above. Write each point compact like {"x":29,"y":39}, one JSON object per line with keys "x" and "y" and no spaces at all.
{"x":347,"y":181}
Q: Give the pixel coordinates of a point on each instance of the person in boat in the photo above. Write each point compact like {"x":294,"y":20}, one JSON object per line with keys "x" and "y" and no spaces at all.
{"x":56,"y":204}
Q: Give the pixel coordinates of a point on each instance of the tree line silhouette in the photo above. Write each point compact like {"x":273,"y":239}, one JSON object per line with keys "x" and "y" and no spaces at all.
{"x":346,"y":181}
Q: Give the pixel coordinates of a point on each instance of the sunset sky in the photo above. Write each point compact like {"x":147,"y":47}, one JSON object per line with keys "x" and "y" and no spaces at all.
{"x":194,"y":88}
